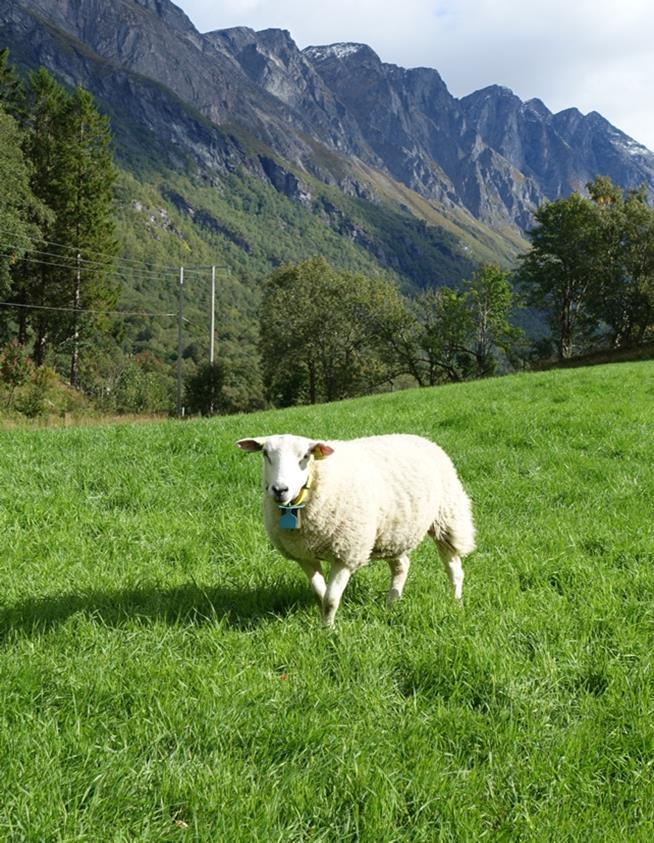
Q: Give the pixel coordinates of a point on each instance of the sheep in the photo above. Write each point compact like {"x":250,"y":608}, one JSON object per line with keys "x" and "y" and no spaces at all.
{"x":347,"y":502}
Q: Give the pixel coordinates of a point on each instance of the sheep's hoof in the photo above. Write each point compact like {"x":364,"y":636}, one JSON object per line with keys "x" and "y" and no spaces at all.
{"x":393,"y":596}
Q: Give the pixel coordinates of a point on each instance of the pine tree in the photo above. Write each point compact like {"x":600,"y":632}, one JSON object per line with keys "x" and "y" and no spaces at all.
{"x":73,"y":174}
{"x":87,"y":218}
{"x":20,"y":211}
{"x":38,"y":284}
{"x":12,"y":93}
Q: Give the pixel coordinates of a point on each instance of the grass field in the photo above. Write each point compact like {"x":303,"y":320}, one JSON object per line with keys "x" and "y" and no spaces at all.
{"x":164,"y":674}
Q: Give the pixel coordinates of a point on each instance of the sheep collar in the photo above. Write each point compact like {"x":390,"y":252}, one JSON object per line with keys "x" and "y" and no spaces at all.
{"x":290,"y":517}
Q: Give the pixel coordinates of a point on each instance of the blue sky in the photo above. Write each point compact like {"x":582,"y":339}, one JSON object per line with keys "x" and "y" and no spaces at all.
{"x":597,"y":55}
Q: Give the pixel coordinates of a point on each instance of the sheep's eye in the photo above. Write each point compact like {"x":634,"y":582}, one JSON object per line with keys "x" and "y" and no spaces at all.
{"x":267,"y":456}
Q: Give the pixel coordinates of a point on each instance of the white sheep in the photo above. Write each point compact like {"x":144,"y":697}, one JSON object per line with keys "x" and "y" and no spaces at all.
{"x":346,"y":502}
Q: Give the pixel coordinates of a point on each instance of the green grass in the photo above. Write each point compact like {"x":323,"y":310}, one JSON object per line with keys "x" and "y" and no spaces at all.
{"x":164,"y":674}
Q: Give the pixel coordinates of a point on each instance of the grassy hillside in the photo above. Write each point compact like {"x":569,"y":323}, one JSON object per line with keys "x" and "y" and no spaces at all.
{"x":163,"y":670}
{"x":248,"y":229}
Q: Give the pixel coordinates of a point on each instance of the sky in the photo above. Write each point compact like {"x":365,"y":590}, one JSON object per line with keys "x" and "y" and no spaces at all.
{"x":596,"y":55}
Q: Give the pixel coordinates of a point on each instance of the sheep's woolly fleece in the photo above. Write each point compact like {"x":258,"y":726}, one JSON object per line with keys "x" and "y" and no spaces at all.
{"x":376,"y":498}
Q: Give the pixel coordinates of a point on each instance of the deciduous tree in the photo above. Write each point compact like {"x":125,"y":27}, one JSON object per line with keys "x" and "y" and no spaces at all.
{"x":319,"y":334}
{"x":490,"y":301}
{"x":564,"y":263}
{"x":624,"y":298}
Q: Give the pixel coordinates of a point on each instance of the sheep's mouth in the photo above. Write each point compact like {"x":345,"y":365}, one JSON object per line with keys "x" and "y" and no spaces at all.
{"x":282,"y":498}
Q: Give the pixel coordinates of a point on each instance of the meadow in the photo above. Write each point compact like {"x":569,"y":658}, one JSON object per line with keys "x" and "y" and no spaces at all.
{"x":164,"y":674}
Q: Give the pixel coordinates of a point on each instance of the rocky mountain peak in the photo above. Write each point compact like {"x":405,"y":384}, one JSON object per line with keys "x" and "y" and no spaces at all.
{"x":493,"y":96}
{"x":277,"y":38}
{"x":272,"y":60}
{"x":538,"y":106}
{"x":345,"y":51}
{"x":236,"y":37}
{"x":568,"y":119}
{"x":169,"y":13}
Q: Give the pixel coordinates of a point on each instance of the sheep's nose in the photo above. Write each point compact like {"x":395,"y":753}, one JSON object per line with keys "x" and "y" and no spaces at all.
{"x":279,"y":492}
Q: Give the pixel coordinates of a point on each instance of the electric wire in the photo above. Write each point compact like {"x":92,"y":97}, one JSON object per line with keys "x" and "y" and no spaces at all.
{"x":194,"y":268}
{"x":63,"y":262}
{"x":72,"y":261}
{"x":88,"y":310}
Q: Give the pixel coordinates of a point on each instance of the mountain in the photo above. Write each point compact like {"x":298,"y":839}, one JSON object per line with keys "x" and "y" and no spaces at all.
{"x":336,"y":113}
{"x":181,"y":101}
{"x":489,"y":152}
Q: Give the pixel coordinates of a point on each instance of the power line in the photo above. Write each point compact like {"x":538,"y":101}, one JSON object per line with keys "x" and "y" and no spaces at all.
{"x":72,"y":309}
{"x":71,"y":263}
{"x":172,"y":267}
{"x":84,"y":310}
{"x":101,"y":264}
{"x":80,"y":249}
{"x":195,"y":268}
{"x":121,"y":272}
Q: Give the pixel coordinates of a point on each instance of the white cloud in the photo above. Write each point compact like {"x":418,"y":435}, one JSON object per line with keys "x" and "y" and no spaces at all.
{"x":596,"y":55}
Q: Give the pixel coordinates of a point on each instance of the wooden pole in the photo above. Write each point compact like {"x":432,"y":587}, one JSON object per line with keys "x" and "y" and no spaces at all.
{"x":74,"y":363}
{"x":180,"y":341}
{"x":212,"y":315}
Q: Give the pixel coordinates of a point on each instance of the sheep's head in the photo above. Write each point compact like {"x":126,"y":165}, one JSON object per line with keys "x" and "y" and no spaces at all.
{"x":286,"y":461}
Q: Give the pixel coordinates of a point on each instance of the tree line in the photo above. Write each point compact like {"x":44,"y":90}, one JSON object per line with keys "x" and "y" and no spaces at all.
{"x":328,"y":334}
{"x":590,"y":269}
{"x":587,"y":281}
{"x":55,"y":155}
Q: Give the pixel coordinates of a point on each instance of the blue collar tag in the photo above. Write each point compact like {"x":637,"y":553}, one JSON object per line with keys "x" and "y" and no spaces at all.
{"x":290,"y":517}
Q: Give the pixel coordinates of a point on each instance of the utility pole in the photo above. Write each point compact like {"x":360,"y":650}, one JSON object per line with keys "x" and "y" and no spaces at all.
{"x":212,"y":331}
{"x":74,"y":361}
{"x":180,"y":341}
{"x":212,"y":314}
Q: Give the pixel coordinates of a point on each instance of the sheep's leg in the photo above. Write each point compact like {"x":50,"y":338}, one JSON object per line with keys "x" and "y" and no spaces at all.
{"x":454,"y":570}
{"x":316,"y":579}
{"x":452,"y":565}
{"x":339,"y":577}
{"x":399,"y":570}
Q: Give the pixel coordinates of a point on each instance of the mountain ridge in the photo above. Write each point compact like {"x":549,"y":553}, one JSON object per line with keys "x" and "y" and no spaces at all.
{"x":333,"y":113}
{"x":488,"y":153}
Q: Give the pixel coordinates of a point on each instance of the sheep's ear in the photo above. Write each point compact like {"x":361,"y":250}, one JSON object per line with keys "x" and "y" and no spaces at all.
{"x":320,"y":450}
{"x":251,"y":445}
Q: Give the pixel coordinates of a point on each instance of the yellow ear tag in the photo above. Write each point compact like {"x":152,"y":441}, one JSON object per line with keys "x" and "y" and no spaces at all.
{"x":300,"y":498}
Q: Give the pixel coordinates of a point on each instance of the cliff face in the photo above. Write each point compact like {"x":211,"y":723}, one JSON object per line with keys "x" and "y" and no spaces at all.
{"x":233,"y":96}
{"x":490,"y":152}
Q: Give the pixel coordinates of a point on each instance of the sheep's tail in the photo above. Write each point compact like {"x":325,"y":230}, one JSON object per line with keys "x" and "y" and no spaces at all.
{"x":454,"y":531}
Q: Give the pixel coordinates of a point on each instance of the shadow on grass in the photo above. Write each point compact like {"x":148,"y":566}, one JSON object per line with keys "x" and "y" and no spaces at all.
{"x":235,"y":607}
